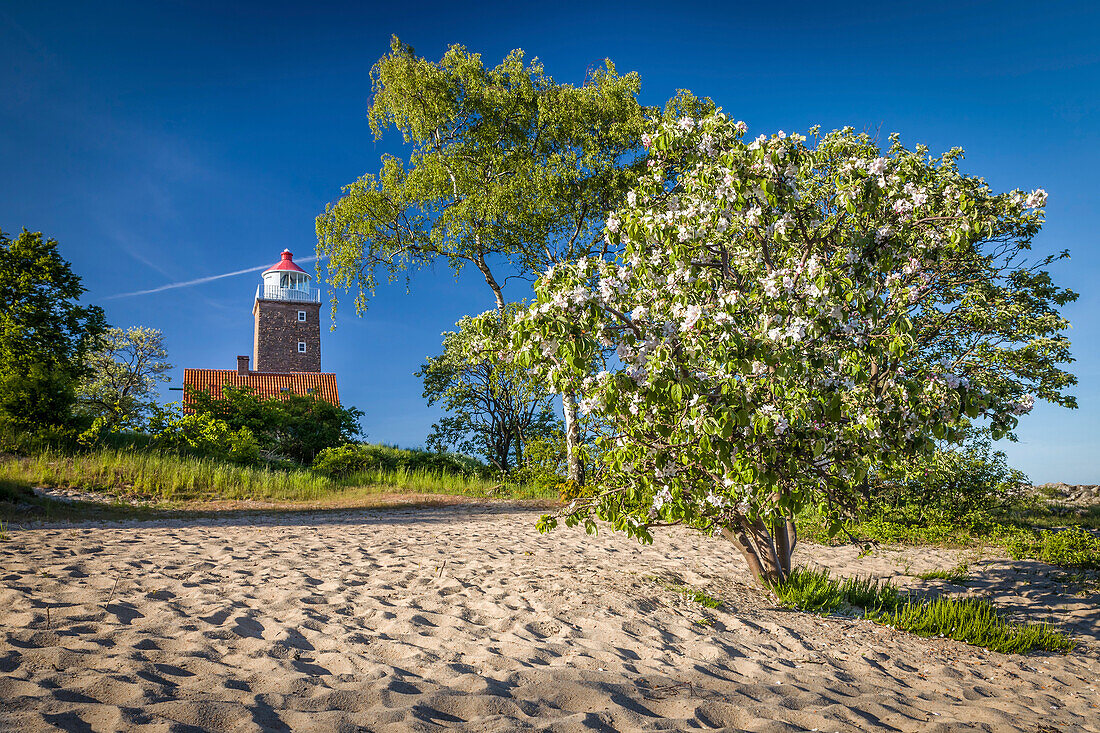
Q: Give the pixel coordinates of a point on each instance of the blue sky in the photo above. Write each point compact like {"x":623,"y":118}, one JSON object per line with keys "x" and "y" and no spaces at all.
{"x":164,"y":142}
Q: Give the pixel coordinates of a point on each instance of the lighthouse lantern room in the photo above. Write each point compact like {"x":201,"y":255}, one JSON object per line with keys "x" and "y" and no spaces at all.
{"x":286,"y":281}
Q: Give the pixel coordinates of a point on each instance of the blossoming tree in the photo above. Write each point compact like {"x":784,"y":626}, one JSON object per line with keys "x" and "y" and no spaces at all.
{"x":782,"y":318}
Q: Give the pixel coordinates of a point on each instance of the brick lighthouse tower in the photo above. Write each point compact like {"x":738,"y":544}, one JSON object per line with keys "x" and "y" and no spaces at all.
{"x":288,"y":325}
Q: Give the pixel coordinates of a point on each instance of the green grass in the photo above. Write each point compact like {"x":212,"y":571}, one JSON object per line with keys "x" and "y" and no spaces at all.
{"x":817,"y":592}
{"x":1023,"y":535}
{"x":149,"y":475}
{"x":1073,"y":547}
{"x":974,"y":621}
{"x":957,"y":574}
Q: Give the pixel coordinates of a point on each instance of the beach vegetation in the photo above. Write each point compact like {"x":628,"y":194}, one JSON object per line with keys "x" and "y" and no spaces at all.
{"x":152,"y":477}
{"x":957,"y":574}
{"x":777,"y":322}
{"x":291,"y":426}
{"x":1069,"y":547}
{"x":344,"y":461}
{"x":974,"y":621}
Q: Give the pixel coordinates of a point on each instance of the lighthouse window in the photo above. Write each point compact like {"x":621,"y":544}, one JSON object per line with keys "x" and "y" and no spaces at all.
{"x":301,"y":347}
{"x":301,"y":315}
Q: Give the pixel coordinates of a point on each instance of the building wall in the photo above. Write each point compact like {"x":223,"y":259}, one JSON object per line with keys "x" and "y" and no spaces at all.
{"x":278,"y":331}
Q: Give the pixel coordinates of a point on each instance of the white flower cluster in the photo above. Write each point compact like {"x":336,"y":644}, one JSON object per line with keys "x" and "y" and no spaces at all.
{"x":1024,"y":405}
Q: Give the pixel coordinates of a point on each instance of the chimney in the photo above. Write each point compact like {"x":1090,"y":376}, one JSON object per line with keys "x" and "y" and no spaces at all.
{"x":242,"y":366}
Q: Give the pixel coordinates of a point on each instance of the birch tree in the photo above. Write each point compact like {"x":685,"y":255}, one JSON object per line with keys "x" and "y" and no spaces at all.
{"x":507,"y":171}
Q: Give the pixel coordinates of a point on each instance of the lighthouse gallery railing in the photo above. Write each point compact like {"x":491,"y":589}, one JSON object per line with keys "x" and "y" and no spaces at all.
{"x":298,"y":295}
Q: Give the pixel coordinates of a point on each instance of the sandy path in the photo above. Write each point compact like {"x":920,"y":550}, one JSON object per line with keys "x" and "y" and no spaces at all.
{"x":464,"y":618}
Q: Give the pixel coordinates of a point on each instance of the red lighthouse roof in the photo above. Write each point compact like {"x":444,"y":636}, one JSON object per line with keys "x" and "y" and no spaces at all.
{"x":286,"y":263}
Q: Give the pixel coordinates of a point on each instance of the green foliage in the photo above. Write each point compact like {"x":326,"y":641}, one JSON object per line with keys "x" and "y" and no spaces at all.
{"x":169,"y":477}
{"x":494,"y":407}
{"x":203,"y":435}
{"x":545,"y":466}
{"x":14,"y":490}
{"x":951,"y":483}
{"x":973,"y":621}
{"x":507,"y":171}
{"x":295,"y":426}
{"x":342,"y":462}
{"x":119,"y":388}
{"x":814,"y":590}
{"x":505,"y":166}
{"x":44,"y":334}
{"x":23,"y":442}
{"x":1072,"y":547}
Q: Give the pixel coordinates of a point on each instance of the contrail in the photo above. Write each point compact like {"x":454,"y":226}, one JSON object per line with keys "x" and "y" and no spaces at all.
{"x":199,"y":281}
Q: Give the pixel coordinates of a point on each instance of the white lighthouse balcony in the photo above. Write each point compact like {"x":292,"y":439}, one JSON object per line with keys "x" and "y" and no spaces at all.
{"x":297,"y":294}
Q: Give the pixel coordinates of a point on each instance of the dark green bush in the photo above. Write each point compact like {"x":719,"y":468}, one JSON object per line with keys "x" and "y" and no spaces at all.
{"x":293,"y":426}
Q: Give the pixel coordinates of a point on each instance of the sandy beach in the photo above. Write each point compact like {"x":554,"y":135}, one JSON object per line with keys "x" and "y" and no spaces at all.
{"x":465,"y":618}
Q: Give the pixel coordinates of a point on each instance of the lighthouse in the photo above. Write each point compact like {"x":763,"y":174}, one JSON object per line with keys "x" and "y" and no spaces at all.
{"x":287,"y":314}
{"x":286,"y":344}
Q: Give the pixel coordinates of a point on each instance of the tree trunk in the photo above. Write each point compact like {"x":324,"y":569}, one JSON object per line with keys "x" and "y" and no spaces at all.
{"x":765,"y":561}
{"x":574,"y":466}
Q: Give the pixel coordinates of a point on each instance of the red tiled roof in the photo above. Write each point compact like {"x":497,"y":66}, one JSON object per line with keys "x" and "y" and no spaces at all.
{"x":285,"y":263}
{"x":265,"y":384}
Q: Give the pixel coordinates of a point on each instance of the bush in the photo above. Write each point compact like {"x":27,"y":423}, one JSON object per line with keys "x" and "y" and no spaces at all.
{"x":346,"y":460}
{"x":543,"y":465}
{"x":970,"y":479}
{"x":28,"y":442}
{"x":295,"y":426}
{"x":204,"y":436}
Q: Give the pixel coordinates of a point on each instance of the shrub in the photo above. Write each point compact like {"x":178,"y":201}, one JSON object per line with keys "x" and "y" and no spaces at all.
{"x":204,"y":436}
{"x":295,"y":426}
{"x":970,"y":479}
{"x":339,"y":461}
{"x":342,"y":462}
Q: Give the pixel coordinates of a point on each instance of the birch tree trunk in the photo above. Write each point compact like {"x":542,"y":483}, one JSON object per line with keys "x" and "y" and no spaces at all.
{"x":575,"y":468}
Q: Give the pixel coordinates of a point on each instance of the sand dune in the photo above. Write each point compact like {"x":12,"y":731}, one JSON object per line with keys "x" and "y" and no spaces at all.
{"x":465,"y":618}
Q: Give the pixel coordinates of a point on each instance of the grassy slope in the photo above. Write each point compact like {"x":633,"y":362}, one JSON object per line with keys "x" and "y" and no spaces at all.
{"x":175,"y":481}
